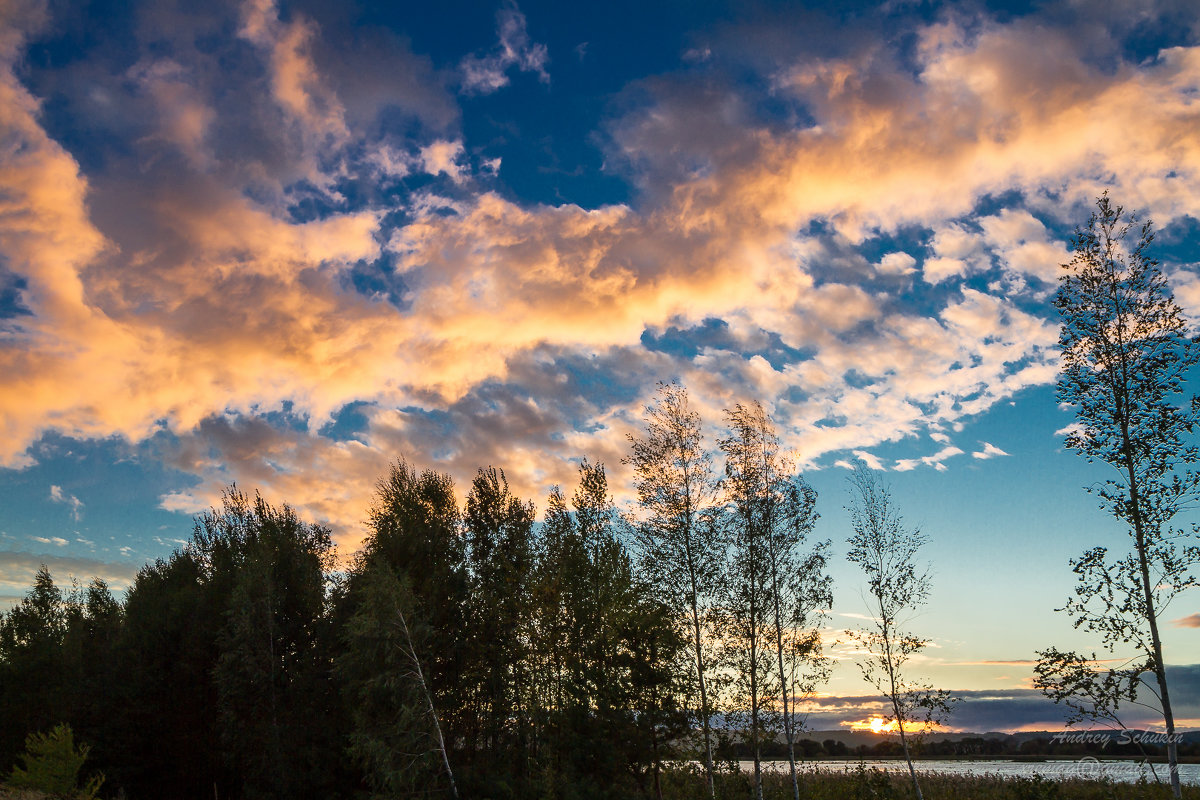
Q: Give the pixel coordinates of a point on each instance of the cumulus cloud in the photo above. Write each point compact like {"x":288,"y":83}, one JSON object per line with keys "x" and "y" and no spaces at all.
{"x":897,"y":264}
{"x":216,"y":276}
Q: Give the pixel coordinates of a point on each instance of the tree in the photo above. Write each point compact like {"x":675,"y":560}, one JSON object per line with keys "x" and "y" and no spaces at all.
{"x":679,"y":544}
{"x":397,"y":736}
{"x":781,"y":588}
{"x":606,"y":647}
{"x":32,"y":686}
{"x":499,"y":538}
{"x":559,"y":560}
{"x":88,"y":649}
{"x":896,"y":586}
{"x":52,"y":763}
{"x":1125,"y":357}
{"x":167,"y":699}
{"x":405,"y":604}
{"x":269,"y":569}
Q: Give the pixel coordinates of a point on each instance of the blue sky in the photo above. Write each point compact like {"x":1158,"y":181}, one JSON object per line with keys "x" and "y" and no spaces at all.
{"x":284,"y":244}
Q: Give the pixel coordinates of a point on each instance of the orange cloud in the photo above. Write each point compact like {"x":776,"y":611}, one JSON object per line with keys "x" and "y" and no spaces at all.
{"x":210,"y":306}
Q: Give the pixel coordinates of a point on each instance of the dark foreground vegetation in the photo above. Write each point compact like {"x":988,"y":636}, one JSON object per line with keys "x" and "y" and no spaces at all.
{"x":244,"y":666}
{"x":863,"y":782}
{"x":866,"y":783}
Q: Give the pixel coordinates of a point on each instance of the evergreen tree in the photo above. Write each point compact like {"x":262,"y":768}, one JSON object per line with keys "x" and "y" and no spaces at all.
{"x":32,"y":680}
{"x":268,"y":671}
{"x":89,"y":648}
{"x":166,"y":731}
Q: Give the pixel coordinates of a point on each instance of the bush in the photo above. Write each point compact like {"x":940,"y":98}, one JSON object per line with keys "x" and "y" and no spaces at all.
{"x":52,"y":763}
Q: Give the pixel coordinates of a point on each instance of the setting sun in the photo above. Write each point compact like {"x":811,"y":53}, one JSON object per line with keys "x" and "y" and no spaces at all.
{"x":874,"y":724}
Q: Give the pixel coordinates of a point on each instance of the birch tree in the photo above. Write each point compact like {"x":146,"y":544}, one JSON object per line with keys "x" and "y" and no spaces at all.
{"x":776,"y":588}
{"x":897,"y":586}
{"x":679,"y":545}
{"x":1126,"y":353}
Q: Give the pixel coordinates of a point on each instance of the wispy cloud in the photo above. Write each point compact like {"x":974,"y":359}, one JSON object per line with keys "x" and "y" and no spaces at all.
{"x":989,"y":451}
{"x":488,"y":73}
{"x":57,"y":495}
{"x":57,"y":541}
{"x":936,"y":460}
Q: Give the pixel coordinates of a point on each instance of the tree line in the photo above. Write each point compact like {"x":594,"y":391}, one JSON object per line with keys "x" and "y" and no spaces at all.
{"x":467,"y":651}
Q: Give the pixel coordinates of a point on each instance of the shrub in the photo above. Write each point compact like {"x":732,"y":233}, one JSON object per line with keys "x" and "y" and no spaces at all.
{"x":52,"y":763}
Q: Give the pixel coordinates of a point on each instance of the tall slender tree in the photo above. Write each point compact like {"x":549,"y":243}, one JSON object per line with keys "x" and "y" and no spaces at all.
{"x":679,"y":542}
{"x":897,"y":585}
{"x":775,"y":587}
{"x":499,"y":533}
{"x":397,"y":736}
{"x":406,"y":599}
{"x":31,"y":680}
{"x":555,"y":635}
{"x":1126,"y":354}
{"x":269,"y":570}
{"x":775,"y":513}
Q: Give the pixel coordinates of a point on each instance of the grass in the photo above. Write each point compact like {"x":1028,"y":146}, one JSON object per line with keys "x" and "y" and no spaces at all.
{"x":867,"y":783}
{"x":7,"y":793}
{"x":870,"y":783}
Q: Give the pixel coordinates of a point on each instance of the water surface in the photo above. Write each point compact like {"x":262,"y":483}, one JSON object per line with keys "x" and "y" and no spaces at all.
{"x":1122,"y":771}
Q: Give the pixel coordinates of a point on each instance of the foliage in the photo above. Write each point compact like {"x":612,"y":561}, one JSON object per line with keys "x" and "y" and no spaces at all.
{"x":679,"y":542}
{"x":1125,"y":358}
{"x":776,"y":589}
{"x":392,"y":739}
{"x":52,"y":763}
{"x":411,"y":568}
{"x":275,"y":567}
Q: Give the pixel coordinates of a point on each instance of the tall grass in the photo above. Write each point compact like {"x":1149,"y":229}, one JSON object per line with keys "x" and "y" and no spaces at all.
{"x":870,"y":783}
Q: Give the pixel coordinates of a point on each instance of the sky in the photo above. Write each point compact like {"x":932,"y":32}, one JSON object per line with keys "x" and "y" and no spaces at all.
{"x":285,"y":244}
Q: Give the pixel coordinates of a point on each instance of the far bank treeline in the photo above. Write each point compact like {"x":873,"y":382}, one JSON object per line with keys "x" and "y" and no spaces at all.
{"x":466,"y":650}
